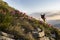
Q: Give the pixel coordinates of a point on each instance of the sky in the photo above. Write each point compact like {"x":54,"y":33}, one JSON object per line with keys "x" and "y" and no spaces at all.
{"x":31,"y":6}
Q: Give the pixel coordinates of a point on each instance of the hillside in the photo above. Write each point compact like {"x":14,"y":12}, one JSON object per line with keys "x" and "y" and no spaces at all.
{"x":23,"y":27}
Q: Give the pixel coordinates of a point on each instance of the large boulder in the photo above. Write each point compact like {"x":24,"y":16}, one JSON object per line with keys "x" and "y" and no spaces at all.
{"x":6,"y":36}
{"x":44,"y":38}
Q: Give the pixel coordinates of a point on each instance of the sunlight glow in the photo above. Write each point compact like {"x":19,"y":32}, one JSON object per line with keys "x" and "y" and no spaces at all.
{"x":57,"y":17}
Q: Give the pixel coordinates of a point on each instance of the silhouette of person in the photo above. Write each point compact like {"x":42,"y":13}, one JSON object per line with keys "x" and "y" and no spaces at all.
{"x":43,"y":17}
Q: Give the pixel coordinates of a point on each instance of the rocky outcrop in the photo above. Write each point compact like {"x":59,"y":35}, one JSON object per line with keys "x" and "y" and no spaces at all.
{"x":39,"y":34}
{"x":44,"y":38}
{"x":5,"y":36}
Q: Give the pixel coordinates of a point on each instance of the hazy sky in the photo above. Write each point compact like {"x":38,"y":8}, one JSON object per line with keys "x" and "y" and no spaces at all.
{"x":30,"y":6}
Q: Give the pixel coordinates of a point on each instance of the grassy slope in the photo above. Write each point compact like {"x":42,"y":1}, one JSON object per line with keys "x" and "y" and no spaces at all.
{"x":12,"y":21}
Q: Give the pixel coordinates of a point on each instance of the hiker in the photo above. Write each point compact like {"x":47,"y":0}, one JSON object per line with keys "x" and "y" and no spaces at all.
{"x":43,"y":17}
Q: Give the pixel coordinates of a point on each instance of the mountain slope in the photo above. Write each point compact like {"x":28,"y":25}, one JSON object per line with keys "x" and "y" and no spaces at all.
{"x":24,"y":27}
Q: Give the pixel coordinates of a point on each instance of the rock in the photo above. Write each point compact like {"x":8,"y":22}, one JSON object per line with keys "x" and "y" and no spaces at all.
{"x":6,"y":35}
{"x":41,"y":34}
{"x":52,"y":38}
{"x":5,"y":38}
{"x":38,"y":33}
{"x":44,"y":38}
